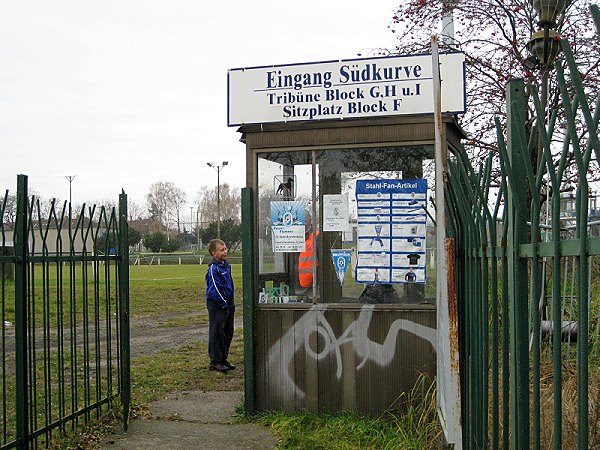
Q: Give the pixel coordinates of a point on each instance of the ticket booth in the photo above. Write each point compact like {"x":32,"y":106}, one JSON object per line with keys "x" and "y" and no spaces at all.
{"x":339,"y":243}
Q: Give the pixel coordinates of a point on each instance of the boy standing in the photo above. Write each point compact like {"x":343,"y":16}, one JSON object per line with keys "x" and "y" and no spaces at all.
{"x":221,"y":309}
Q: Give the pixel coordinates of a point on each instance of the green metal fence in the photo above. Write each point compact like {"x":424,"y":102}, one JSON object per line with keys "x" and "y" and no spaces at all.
{"x":64,"y":279}
{"x":529,"y":277}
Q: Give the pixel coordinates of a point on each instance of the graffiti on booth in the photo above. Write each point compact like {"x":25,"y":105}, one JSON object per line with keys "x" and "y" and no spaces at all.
{"x":356,"y":334}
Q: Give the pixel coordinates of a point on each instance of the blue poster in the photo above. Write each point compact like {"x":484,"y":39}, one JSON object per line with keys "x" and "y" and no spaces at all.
{"x":287,"y":226}
{"x":392,"y":226}
{"x":341,"y":261}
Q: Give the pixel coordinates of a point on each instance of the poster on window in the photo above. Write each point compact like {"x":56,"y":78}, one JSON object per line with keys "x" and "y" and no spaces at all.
{"x":336,"y":213}
{"x":392,"y":227}
{"x":287,"y":226}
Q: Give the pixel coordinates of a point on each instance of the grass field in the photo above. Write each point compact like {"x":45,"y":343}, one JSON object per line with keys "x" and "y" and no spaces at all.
{"x":176,"y":289}
{"x":162,"y":298}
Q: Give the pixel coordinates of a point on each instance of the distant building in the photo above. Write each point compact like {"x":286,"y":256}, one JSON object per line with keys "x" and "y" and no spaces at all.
{"x":46,"y":237}
{"x":568,"y":207}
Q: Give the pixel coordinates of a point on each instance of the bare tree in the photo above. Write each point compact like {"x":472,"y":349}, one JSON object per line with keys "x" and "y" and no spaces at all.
{"x":8,"y":206}
{"x":179,"y":200}
{"x":8,"y":202}
{"x":135,"y":211}
{"x":494,"y":34}
{"x":165,"y":200}
{"x":230,"y":201}
{"x":158,"y":199}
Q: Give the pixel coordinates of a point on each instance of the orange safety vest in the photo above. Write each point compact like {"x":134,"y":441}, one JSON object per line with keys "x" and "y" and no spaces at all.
{"x":305,"y":263}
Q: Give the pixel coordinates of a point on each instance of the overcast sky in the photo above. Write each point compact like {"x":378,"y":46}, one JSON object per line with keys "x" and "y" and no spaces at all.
{"x":126,"y":93}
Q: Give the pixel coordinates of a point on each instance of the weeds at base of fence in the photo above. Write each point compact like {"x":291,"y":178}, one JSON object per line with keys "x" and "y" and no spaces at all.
{"x":88,"y":435}
{"x":411,"y":423}
{"x":569,"y":405}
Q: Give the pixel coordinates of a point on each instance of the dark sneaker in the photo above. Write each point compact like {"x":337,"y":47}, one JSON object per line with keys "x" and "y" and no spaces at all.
{"x":229,"y":366}
{"x":219,"y":367}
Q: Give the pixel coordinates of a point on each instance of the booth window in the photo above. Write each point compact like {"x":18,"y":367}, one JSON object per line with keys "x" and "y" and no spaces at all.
{"x":319,"y":241}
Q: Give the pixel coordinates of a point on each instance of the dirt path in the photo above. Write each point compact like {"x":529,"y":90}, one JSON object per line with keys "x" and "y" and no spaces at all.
{"x":149,"y":335}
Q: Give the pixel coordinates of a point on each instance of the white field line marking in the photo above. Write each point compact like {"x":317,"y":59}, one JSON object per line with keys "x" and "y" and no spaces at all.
{"x":163,"y":279}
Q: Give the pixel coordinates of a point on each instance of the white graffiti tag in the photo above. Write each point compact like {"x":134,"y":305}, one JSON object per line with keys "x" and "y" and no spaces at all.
{"x":356,"y":334}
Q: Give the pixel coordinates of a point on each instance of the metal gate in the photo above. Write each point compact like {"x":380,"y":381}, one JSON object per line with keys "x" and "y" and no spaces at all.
{"x":527,"y":278}
{"x":64,"y":278}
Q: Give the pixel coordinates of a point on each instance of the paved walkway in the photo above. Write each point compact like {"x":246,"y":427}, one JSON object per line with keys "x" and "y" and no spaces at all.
{"x":192,"y":420}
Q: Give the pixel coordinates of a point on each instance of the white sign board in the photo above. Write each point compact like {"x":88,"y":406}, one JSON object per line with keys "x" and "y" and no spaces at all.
{"x":369,"y":87}
{"x":336,"y":212}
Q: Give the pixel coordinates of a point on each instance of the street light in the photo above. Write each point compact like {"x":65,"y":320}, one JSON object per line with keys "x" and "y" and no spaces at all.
{"x":218,"y":169}
{"x":548,"y":11}
{"x":544,"y":46}
{"x":70,"y":178}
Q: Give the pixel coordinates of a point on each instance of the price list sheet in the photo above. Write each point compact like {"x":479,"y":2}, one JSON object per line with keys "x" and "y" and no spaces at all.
{"x":392,"y":221}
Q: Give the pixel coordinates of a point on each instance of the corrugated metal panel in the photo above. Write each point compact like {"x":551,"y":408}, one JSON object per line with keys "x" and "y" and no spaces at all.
{"x":326,"y":359}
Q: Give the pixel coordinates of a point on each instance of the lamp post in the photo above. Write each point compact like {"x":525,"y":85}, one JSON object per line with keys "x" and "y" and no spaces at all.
{"x":70,"y":178}
{"x":218,"y":168}
{"x":197,"y":228}
{"x":544,"y":46}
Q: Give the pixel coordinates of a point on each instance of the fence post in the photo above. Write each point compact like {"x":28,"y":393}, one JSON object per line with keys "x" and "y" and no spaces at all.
{"x":518,"y":290}
{"x":124,"y":308}
{"x":20,"y":244}
{"x":448,"y":365}
{"x":248,"y":297}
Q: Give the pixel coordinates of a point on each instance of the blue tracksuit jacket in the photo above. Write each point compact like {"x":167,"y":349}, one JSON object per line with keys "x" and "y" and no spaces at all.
{"x":219,"y":283}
